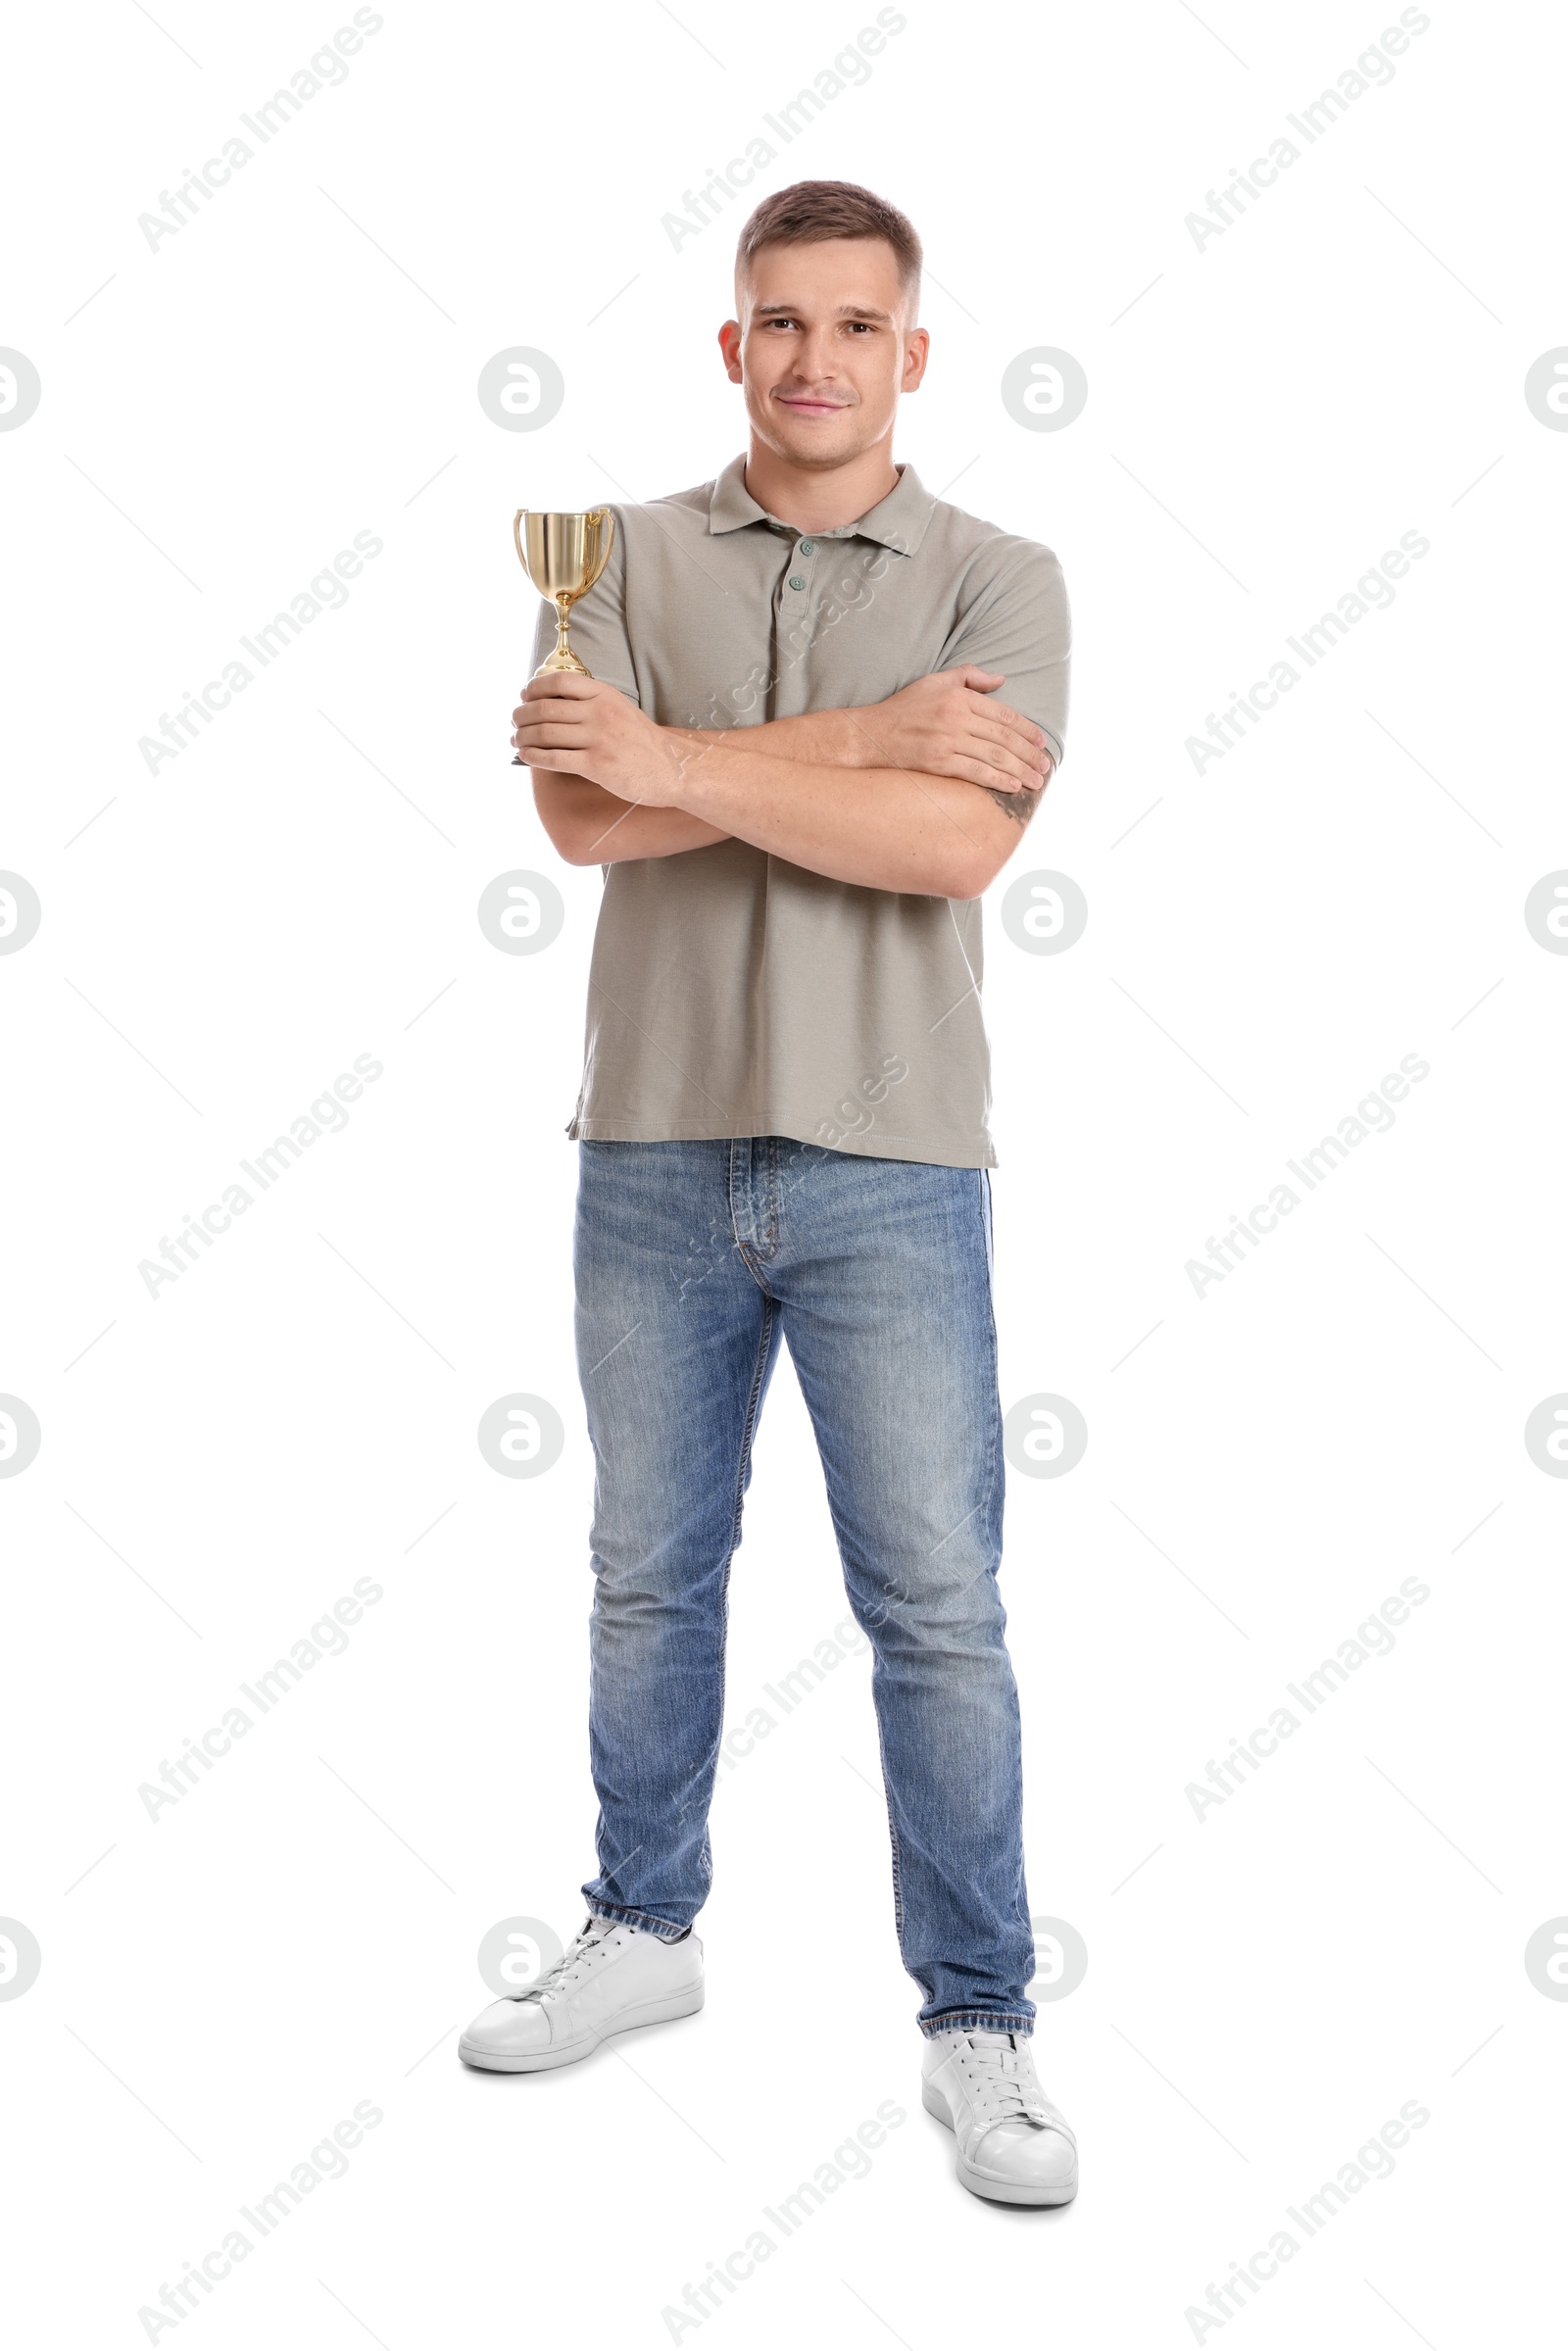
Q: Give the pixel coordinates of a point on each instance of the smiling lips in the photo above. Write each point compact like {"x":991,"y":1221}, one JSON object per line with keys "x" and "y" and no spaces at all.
{"x":810,"y":407}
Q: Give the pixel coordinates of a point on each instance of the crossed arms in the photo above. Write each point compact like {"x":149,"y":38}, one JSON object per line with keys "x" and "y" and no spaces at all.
{"x":927,"y":792}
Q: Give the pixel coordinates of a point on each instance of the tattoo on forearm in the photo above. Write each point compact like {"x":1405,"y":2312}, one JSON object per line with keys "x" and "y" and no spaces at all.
{"x":1020,"y":805}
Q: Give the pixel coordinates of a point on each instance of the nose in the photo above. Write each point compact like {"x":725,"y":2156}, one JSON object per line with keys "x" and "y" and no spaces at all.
{"x":814,"y":358}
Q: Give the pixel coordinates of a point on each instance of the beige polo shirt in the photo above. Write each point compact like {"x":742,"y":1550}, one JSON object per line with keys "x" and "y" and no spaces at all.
{"x":733,"y":993}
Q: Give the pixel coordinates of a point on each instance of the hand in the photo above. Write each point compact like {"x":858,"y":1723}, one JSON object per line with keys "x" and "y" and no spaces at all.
{"x":580,"y":726}
{"x":950,"y":724}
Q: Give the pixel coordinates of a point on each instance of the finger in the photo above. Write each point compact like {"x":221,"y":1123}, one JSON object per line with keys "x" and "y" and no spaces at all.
{"x":987,"y":713}
{"x":1017,"y":745}
{"x":988,"y":778}
{"x":534,"y":717}
{"x":559,"y":761}
{"x":550,"y":738}
{"x":1003,"y":714}
{"x":972,"y":760}
{"x":551,"y":710}
{"x":553,"y":715}
{"x":982,"y":681}
{"x":563,"y":682}
{"x":993,"y":726}
{"x":547,"y":712}
{"x":1006,"y":754}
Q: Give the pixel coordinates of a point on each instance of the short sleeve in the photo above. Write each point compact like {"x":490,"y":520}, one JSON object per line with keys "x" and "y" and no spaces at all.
{"x":1016,"y":618}
{"x":598,"y":623}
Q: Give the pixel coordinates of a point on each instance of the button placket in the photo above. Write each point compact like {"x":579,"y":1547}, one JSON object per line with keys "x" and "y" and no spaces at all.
{"x":795,"y":625}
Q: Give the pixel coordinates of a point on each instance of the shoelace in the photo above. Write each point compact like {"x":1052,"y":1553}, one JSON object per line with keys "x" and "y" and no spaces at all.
{"x":1000,"y":2080}
{"x":573,"y":1963}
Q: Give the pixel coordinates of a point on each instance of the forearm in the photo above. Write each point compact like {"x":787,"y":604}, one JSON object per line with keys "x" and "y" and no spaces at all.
{"x":884,"y":797}
{"x":888,"y":828}
{"x":590,"y":826}
{"x":821,"y":738}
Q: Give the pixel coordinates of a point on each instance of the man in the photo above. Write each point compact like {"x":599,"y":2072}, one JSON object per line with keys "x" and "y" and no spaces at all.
{"x":792,"y":762}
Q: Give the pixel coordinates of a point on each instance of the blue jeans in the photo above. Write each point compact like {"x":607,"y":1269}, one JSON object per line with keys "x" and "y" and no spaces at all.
{"x":692,"y":1259}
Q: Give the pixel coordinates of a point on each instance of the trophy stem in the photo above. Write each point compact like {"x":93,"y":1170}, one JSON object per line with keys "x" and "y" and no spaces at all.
{"x":562,"y":657}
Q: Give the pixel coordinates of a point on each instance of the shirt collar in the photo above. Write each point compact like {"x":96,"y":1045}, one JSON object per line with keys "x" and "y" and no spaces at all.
{"x":900,"y":521}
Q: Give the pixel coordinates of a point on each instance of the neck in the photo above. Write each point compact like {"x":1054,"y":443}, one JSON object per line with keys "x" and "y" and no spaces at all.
{"x":808,"y":498}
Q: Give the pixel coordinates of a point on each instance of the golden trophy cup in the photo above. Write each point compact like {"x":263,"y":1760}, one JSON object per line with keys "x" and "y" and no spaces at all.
{"x":563,"y":555}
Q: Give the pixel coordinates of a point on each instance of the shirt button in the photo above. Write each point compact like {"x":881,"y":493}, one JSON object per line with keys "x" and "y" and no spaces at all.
{"x":806,"y":546}
{"x":796,"y":580}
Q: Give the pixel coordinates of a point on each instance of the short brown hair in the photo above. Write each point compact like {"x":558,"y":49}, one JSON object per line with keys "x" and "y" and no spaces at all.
{"x":815,"y":210}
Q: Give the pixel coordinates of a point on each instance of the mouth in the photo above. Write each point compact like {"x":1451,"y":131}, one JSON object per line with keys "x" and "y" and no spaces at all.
{"x":804,"y":407}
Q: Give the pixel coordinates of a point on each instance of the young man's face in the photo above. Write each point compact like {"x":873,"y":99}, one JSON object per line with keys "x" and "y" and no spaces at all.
{"x":824,"y":345}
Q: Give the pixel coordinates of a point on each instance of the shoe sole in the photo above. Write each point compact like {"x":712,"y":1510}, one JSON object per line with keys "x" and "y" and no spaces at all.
{"x":541,"y":2061}
{"x":981,"y":2183}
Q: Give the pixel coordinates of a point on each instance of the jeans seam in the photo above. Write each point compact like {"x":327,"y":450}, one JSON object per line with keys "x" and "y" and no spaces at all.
{"x":743,"y":1249}
{"x":748,"y":1432}
{"x":998,"y":1465}
{"x":993,"y":1448}
{"x":749,"y":1429}
{"x":893,"y":1835}
{"x":770,"y":1196}
{"x":971,"y":2018}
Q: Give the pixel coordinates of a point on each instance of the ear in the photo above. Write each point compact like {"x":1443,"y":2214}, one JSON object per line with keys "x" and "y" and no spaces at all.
{"x":729,"y":343}
{"x":916,"y":350}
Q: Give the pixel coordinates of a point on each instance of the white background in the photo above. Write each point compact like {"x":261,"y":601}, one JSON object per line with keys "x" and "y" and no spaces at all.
{"x":1266,"y":416}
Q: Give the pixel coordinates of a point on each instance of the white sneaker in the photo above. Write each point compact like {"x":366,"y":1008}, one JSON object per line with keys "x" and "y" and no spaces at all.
{"x":611,"y":1978}
{"x":1013,"y":2145}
